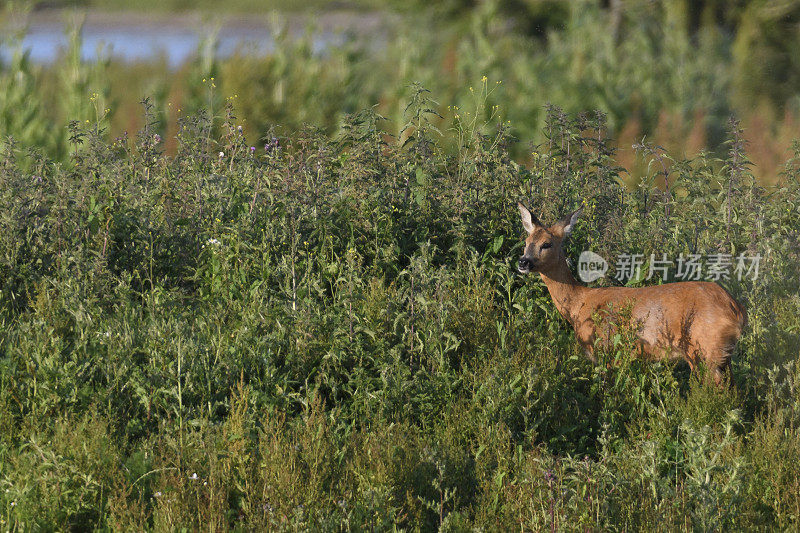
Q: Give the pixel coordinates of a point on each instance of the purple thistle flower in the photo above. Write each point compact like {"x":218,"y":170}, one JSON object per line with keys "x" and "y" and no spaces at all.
{"x":271,"y":145}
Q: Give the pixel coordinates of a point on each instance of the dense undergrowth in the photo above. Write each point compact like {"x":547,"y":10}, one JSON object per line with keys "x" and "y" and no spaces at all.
{"x":328,"y":333}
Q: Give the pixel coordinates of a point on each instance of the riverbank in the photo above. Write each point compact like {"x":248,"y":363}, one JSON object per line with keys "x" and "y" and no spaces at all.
{"x":138,"y":36}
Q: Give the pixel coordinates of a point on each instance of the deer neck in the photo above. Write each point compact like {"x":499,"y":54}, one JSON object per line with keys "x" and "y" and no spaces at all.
{"x":566,"y":292}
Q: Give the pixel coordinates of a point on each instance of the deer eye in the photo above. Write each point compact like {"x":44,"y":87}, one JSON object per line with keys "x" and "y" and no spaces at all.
{"x":546,"y":246}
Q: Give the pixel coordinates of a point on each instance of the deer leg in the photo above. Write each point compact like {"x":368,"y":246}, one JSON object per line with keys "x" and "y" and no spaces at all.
{"x":588,"y":349}
{"x":721,"y":373}
{"x":718,"y":360}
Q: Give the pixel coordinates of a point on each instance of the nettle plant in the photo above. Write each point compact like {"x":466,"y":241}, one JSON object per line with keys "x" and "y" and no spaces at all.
{"x":314,"y":331}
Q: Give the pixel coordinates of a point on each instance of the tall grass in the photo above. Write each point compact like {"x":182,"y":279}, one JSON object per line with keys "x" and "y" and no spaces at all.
{"x":326,"y":333}
{"x":654,"y":75}
{"x":278,"y":293}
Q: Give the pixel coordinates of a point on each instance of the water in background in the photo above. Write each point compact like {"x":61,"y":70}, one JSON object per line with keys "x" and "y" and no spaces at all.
{"x":137,"y":42}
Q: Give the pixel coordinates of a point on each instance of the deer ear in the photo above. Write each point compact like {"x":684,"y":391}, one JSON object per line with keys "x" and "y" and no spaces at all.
{"x":529,"y":221}
{"x":568,"y":222}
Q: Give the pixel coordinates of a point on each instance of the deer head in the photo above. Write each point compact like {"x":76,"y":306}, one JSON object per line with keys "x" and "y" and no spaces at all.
{"x":543,"y":247}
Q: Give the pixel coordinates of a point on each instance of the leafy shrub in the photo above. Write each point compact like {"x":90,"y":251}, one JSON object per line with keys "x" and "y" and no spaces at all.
{"x":328,"y":333}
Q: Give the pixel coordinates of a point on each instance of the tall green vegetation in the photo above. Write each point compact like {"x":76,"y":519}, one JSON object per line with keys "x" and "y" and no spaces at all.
{"x":671,"y":71}
{"x":277,"y":293}
{"x":326,"y":332}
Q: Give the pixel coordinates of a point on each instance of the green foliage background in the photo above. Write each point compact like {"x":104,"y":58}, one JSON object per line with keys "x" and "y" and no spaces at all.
{"x":671,"y":71}
{"x":324,"y":330}
{"x":329,"y":334}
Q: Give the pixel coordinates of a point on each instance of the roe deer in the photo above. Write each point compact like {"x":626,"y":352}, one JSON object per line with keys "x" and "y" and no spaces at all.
{"x":694,"y":320}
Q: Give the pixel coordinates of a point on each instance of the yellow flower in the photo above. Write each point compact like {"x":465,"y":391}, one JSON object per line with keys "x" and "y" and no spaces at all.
{"x":483,"y":79}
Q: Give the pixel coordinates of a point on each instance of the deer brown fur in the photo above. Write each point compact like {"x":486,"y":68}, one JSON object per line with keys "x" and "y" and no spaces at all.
{"x":693,"y":320}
